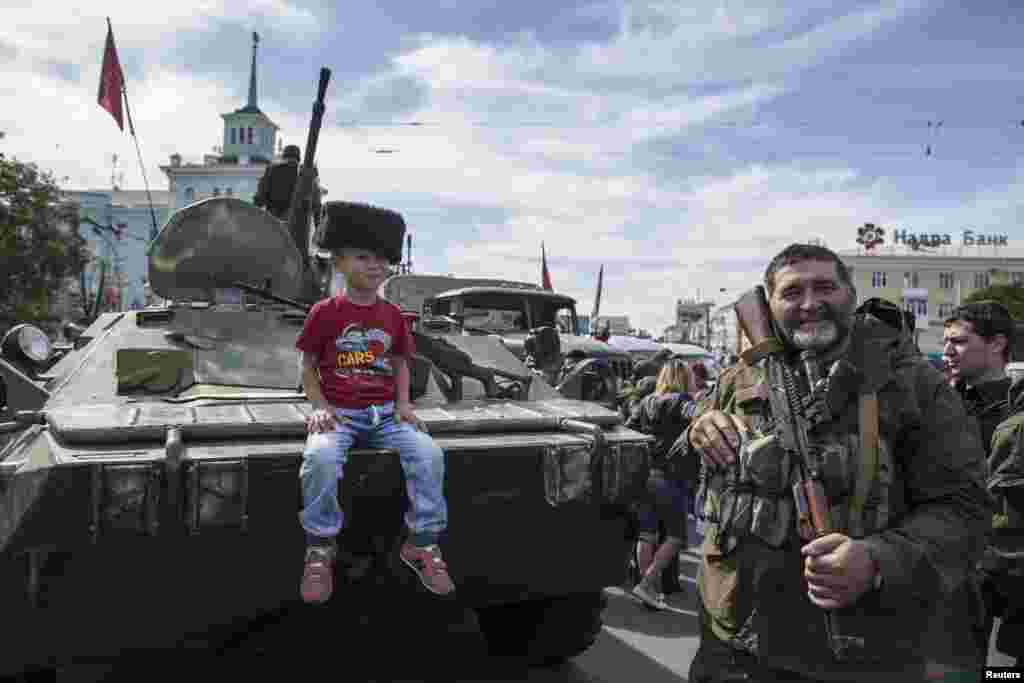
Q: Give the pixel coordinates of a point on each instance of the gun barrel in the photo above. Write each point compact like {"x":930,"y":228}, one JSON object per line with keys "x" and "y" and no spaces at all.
{"x":299,"y":213}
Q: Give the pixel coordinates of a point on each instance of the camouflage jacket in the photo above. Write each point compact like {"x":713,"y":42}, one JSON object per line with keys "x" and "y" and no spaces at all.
{"x":988,"y":404}
{"x":925,"y":514}
{"x":1006,"y":484}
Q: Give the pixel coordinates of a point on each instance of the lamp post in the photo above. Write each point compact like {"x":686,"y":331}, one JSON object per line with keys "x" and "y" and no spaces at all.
{"x":710,"y":305}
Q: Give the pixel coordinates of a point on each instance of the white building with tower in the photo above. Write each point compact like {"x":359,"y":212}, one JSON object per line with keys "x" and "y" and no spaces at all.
{"x":250,"y":143}
{"x":118,"y":224}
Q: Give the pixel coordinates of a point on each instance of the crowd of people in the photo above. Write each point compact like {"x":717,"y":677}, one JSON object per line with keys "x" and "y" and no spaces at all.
{"x":863,"y":514}
{"x":923,"y":476}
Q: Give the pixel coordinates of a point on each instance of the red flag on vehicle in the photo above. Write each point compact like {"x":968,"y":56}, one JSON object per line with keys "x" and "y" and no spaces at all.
{"x":545,"y":276}
{"x":111,"y":80}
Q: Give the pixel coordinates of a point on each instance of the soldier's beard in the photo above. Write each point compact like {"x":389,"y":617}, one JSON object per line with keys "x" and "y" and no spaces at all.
{"x":821,"y":336}
{"x":829,"y":328}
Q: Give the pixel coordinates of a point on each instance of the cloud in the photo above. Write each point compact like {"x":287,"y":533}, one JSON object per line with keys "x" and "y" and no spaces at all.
{"x":679,"y":144}
{"x":140,"y":30}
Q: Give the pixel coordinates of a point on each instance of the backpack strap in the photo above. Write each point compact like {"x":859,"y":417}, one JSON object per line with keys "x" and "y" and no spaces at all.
{"x":869,"y":454}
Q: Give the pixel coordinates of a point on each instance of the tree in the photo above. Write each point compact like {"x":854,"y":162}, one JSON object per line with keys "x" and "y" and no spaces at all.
{"x":1011,"y":296}
{"x":40,"y":248}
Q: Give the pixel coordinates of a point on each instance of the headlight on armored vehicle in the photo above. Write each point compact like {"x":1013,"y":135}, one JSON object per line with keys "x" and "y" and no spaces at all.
{"x":567,"y":473}
{"x":125,"y":497}
{"x":625,"y":472}
{"x":26,"y":343}
{"x":217,"y":494}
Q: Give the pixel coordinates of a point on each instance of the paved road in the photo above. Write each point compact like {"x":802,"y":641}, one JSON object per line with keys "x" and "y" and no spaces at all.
{"x":637,"y":645}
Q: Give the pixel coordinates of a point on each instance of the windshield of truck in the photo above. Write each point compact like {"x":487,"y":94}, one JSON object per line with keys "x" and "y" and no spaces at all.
{"x":513,"y":313}
{"x":497,"y":313}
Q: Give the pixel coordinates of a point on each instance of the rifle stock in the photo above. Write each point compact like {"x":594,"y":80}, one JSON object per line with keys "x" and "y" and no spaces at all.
{"x":755,"y":320}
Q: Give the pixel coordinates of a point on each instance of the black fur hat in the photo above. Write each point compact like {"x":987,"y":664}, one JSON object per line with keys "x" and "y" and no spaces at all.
{"x":347,"y":224}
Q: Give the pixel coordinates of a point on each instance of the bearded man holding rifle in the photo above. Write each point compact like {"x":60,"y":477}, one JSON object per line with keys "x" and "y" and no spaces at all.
{"x":843,"y":488}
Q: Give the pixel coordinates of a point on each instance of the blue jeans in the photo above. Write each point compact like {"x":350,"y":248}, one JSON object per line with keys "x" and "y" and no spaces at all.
{"x":323,"y":467}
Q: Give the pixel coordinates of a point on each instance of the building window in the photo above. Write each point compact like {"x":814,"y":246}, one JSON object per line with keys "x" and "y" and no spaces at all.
{"x":946,"y":310}
{"x":911,"y":280}
{"x":1017,"y":279}
{"x":946,"y":281}
{"x":878,"y":279}
{"x":250,"y":134}
{"x":918,"y":307}
{"x":190,"y":194}
{"x":216,"y":192}
{"x":229,"y":192}
{"x":232,"y":136}
{"x":981,"y":280}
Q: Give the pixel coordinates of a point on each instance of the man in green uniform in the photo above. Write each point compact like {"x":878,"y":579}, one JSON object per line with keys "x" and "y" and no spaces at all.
{"x":978,"y":338}
{"x":976,"y":348}
{"x":277,"y":185}
{"x":1003,"y":563}
{"x":976,"y":345}
{"x":916,"y":528}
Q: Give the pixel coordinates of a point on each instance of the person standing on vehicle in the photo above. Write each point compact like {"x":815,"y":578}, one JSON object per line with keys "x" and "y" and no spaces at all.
{"x":978,"y":337}
{"x":355,"y":370}
{"x":664,"y":415}
{"x":277,"y":186}
{"x":764,"y":590}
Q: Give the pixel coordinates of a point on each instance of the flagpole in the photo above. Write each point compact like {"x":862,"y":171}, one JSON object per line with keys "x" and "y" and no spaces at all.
{"x":138,"y":150}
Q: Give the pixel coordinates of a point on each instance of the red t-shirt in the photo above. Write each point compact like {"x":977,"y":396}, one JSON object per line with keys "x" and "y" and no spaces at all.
{"x":355,"y":345}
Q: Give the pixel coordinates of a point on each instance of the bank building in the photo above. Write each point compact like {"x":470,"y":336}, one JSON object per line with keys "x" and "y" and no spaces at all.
{"x":931,"y":274}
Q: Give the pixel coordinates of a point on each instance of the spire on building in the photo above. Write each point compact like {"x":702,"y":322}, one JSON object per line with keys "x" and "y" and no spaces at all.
{"x":252,"y":74}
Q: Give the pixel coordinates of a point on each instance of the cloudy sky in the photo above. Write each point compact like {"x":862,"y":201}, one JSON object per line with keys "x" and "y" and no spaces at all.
{"x":679,"y":144}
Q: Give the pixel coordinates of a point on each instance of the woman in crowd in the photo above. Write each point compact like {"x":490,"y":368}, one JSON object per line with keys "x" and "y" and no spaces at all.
{"x":664,"y":414}
{"x":701,"y":378}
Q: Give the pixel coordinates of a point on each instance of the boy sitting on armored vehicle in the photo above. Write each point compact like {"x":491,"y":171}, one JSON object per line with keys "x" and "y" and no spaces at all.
{"x":355,"y":370}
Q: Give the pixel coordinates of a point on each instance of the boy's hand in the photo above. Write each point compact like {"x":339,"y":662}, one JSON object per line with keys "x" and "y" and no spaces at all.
{"x":405,"y":413}
{"x":321,"y":420}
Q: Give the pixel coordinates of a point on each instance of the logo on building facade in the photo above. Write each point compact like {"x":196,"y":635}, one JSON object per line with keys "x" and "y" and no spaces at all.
{"x":870,"y":236}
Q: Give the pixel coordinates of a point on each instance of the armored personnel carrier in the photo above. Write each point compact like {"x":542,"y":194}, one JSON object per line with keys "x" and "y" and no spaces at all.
{"x":149,"y":485}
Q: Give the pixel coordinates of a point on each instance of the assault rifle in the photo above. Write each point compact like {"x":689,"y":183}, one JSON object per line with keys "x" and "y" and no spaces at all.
{"x":799,"y":398}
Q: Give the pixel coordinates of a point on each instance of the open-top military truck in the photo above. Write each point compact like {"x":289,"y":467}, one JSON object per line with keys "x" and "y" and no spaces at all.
{"x":528,"y":320}
{"x":149,"y":488}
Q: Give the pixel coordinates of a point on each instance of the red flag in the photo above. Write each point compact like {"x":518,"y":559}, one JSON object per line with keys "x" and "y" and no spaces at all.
{"x":545,"y":276}
{"x":111,"y":80}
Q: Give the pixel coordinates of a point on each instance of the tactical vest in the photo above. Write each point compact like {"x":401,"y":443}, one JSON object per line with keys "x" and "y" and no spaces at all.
{"x":751,"y":504}
{"x":755,"y":498}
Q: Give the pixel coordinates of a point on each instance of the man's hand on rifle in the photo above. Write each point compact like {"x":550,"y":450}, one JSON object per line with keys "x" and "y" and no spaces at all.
{"x":838,"y":570}
{"x":717,"y":435}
